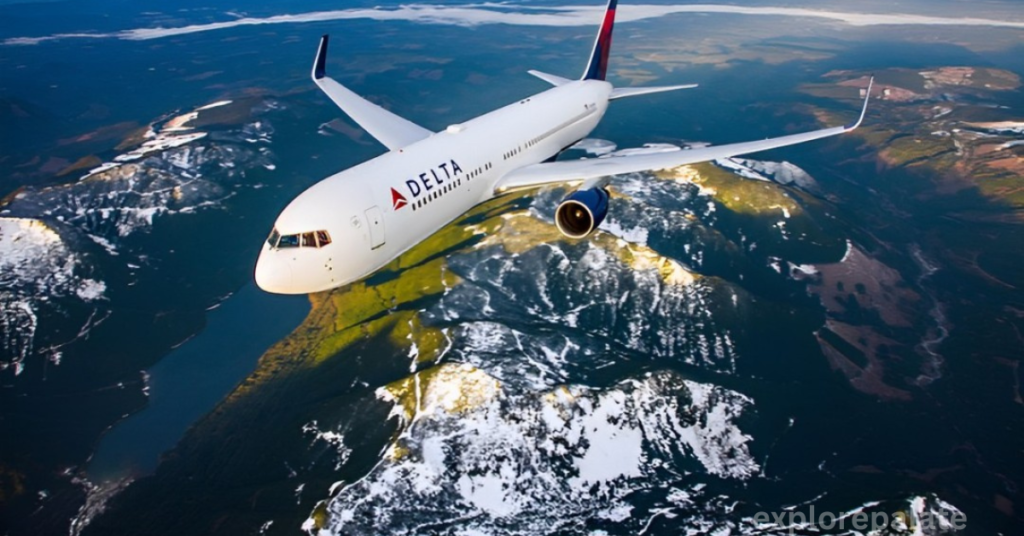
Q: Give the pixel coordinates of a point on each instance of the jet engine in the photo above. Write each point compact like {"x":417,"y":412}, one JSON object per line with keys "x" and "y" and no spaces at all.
{"x":578,"y":215}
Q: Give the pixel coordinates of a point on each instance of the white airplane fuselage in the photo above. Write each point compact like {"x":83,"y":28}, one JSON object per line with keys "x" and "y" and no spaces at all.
{"x":438,"y":179}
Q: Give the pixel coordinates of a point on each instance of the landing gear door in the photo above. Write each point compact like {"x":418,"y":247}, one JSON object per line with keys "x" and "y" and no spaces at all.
{"x":375,"y":217}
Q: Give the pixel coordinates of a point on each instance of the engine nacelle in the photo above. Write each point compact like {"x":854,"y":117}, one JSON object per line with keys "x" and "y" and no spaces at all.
{"x":578,"y":215}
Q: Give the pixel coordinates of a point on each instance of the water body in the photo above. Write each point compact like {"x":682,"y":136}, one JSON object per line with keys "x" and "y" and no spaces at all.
{"x":190,"y":381}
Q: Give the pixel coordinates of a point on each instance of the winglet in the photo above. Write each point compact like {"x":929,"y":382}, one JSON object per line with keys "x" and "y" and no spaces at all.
{"x":320,"y":65}
{"x":864,"y":110}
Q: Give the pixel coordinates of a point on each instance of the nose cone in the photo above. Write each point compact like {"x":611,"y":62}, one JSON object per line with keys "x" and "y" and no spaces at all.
{"x":273,"y":273}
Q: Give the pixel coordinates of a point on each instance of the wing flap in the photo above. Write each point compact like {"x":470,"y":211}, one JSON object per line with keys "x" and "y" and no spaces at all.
{"x":391,"y":130}
{"x":574,"y":170}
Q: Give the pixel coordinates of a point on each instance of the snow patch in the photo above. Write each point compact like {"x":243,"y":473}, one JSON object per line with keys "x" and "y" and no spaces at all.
{"x":648,"y":148}
{"x":214,"y":105}
{"x":784,"y":173}
{"x":527,"y":459}
{"x":36,"y":268}
{"x":594,"y":146}
{"x":331,"y":438}
{"x":636,"y":235}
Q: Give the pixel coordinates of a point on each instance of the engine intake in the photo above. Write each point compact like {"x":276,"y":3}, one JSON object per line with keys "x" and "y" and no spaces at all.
{"x":579,"y":215}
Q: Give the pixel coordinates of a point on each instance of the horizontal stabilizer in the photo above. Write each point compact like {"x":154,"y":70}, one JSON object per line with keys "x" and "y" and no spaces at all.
{"x":622,"y":92}
{"x":391,"y":130}
{"x":550,"y":78}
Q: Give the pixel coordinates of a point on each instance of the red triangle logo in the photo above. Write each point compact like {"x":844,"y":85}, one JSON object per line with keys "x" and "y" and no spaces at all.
{"x":397,"y":200}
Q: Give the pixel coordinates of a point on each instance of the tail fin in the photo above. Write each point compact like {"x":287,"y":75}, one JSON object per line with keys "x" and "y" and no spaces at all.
{"x":598,"y":66}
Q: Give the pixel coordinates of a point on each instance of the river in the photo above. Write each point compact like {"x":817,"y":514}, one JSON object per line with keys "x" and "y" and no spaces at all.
{"x":194,"y":377}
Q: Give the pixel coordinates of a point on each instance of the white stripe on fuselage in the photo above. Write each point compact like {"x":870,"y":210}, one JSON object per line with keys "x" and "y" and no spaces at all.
{"x":444,"y":176}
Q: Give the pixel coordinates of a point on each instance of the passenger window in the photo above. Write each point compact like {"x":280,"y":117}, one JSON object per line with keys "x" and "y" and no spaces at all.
{"x":289,"y":241}
{"x":323,"y":238}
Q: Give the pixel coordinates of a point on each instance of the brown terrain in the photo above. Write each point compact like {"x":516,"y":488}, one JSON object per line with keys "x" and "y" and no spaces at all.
{"x":943,"y":127}
{"x":866,"y":284}
{"x":920,"y":122}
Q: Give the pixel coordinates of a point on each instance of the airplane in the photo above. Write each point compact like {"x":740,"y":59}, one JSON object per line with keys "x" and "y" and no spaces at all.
{"x":355,"y":222}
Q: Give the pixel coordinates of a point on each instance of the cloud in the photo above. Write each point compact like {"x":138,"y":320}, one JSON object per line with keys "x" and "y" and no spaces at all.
{"x":560,"y":16}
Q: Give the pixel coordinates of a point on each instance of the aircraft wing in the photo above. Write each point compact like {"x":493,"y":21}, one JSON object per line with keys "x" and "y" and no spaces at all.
{"x":391,"y":130}
{"x":575,"y":170}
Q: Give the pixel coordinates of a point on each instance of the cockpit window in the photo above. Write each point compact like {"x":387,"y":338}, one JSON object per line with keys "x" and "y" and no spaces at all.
{"x":323,"y":238}
{"x":289,"y":241}
{"x":273,"y":238}
{"x":308,"y":240}
{"x":314,"y":239}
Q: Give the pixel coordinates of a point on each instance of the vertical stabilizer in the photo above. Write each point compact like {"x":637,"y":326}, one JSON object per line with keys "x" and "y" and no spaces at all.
{"x":598,"y":66}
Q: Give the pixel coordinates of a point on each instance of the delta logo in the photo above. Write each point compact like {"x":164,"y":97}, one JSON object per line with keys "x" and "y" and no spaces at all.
{"x":428,"y":180}
{"x":397,"y":200}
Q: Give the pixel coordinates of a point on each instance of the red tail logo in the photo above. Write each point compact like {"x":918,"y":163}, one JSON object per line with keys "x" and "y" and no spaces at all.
{"x":397,"y":200}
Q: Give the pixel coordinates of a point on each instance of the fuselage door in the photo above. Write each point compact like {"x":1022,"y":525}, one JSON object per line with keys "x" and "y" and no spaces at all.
{"x":376,"y":219}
